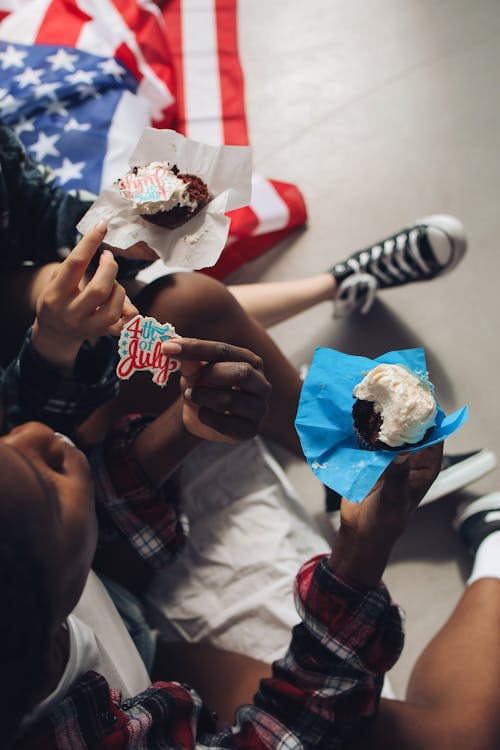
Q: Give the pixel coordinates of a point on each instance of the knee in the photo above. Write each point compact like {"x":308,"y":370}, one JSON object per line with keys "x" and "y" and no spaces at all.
{"x":192,"y":302}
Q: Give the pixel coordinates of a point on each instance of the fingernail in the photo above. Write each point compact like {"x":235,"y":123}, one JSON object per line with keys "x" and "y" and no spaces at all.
{"x":187,"y":393}
{"x":128,"y":300}
{"x":102,"y":226}
{"x":171,"y":347}
{"x":108,"y":253}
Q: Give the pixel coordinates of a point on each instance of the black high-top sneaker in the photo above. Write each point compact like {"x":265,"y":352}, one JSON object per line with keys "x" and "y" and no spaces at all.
{"x":430,"y":247}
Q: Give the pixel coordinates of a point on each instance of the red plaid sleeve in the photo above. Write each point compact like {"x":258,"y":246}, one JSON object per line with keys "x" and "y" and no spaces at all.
{"x":330,"y":680}
{"x":318,"y":697}
{"x":149,"y":517}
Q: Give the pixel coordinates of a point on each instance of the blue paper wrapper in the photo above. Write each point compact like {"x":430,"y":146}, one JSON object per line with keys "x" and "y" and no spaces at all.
{"x":325,"y":427}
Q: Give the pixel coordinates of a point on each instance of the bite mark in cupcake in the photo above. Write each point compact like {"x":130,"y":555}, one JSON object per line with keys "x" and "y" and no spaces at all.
{"x":394,"y":407}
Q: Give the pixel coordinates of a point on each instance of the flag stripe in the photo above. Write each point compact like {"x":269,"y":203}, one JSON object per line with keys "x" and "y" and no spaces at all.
{"x":148,"y":28}
{"x":231,"y":75}
{"x":23,"y":26}
{"x":130,"y":118}
{"x":244,"y":221}
{"x":120,"y":37}
{"x":270,"y":208}
{"x":124,"y":54}
{"x":294,"y":200}
{"x":243,"y":250}
{"x":201,"y":72}
{"x":172,"y":17}
{"x":50,"y":28}
{"x":190,"y":47}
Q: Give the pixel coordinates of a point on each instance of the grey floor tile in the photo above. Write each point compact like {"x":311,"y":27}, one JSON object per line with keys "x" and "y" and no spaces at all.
{"x":381,"y":112}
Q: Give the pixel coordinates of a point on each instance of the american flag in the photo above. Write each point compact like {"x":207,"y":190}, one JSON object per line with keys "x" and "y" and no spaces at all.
{"x":64,"y":105}
{"x":79,"y":80}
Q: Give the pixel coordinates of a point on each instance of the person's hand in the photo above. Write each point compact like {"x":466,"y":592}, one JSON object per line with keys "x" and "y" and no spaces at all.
{"x":224,"y":389}
{"x":390,"y":503}
{"x":139,"y":251}
{"x":370,"y":529}
{"x":71,"y":309}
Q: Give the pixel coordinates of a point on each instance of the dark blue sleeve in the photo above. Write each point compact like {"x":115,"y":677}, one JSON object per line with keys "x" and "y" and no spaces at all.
{"x":38,"y":219}
{"x":32,"y":390}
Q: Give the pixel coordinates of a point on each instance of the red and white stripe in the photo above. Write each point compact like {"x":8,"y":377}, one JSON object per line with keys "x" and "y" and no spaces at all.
{"x":211,"y":108}
{"x":119,"y":29}
{"x":193,"y":43}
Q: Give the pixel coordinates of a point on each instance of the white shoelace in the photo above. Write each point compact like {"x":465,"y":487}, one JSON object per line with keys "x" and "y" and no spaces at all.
{"x":392,"y":254}
{"x":357,"y":291}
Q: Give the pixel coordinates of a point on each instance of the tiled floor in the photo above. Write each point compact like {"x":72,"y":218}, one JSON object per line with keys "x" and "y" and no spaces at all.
{"x":383,"y":111}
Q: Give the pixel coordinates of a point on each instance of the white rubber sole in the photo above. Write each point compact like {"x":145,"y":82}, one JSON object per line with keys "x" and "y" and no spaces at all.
{"x":468,"y":471}
{"x":465,"y":511}
{"x":454,"y":229}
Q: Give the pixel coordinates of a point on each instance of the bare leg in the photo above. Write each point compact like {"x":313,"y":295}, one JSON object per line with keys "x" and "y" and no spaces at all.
{"x":272,"y":302}
{"x":201,"y":307}
{"x":453,"y":694}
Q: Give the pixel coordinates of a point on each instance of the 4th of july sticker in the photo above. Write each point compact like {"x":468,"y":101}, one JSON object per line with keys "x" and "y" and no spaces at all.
{"x":139,"y":348}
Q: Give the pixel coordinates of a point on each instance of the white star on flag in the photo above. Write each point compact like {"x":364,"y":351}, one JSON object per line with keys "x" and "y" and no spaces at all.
{"x":57,"y":107}
{"x":45,"y":146}
{"x":62,"y":60}
{"x":86,"y":92}
{"x":78,"y":95}
{"x":47,"y":89}
{"x":29,"y":77}
{"x":112,"y":68}
{"x":12,"y":58}
{"x":24,"y":126}
{"x":69,"y":171}
{"x":81,"y":76}
{"x":9,"y":104}
{"x":73,"y":124}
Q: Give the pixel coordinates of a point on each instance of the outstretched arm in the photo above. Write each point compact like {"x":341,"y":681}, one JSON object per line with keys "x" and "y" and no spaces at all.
{"x":59,"y":377}
{"x":72,"y":309}
{"x":370,"y":529}
{"x":224,"y":396}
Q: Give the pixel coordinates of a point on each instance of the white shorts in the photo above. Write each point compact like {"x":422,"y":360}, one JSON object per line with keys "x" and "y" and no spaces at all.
{"x":232,"y":586}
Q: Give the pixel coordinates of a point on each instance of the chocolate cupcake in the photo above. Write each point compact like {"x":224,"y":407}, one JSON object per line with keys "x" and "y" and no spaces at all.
{"x":394,"y":407}
{"x":162,"y":195}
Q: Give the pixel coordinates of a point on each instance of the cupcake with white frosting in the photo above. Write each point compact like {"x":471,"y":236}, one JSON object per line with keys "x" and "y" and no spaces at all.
{"x":161,"y":194}
{"x":394,"y":407}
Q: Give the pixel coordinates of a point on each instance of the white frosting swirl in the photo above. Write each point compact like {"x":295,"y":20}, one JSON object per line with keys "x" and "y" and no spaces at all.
{"x":405,"y":402}
{"x":154,"y":187}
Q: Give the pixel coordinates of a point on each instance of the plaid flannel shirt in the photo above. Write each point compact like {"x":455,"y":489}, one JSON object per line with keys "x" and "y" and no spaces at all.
{"x":37,"y":219}
{"x":32,"y":390}
{"x":149,"y":518}
{"x":320,"y":695}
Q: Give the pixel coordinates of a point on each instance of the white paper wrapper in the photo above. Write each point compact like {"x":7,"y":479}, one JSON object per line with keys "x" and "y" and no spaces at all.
{"x":227,"y":171}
